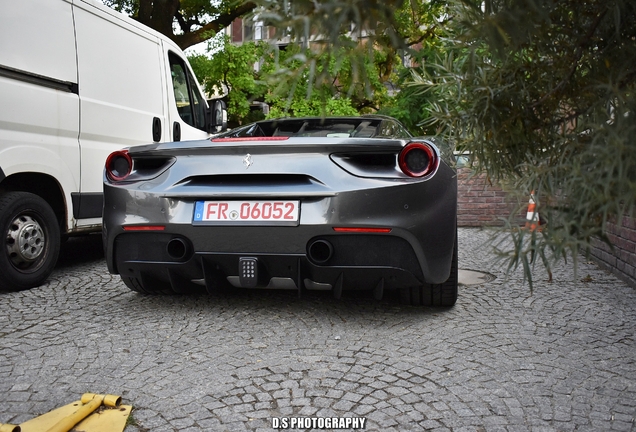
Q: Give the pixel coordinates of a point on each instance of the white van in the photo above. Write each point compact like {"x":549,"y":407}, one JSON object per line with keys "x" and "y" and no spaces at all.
{"x":78,"y":80}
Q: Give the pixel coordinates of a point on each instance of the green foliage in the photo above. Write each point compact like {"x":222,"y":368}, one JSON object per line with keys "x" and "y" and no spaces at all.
{"x":301,"y":96}
{"x":356,"y":48}
{"x":409,"y":106}
{"x":354,"y":34}
{"x":542,"y":94}
{"x":231,"y":68}
{"x":301,"y":107}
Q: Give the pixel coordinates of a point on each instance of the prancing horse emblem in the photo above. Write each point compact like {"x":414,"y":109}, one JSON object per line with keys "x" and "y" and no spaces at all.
{"x":247,"y":161}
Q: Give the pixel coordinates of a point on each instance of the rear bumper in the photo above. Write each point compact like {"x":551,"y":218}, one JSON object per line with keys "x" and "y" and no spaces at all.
{"x":355,"y":261}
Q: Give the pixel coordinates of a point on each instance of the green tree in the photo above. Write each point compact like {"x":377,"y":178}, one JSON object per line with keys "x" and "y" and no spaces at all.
{"x":422,"y":25}
{"x":354,"y":43}
{"x":542,"y":93}
{"x":410,"y":106}
{"x":186,"y":22}
{"x":359,"y":49}
{"x":231,"y":69}
{"x":300,"y":95}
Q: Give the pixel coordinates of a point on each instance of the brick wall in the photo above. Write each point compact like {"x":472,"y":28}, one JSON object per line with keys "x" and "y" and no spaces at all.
{"x":480,"y":203}
{"x":622,"y":260}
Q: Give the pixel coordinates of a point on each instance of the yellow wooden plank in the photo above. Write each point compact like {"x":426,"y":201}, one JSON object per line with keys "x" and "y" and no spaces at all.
{"x":45,"y":421}
{"x":102,"y":420}
{"x":105,"y":420}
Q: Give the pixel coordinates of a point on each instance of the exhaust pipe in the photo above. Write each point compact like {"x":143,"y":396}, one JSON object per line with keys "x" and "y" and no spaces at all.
{"x":177,"y":249}
{"x":320,"y":251}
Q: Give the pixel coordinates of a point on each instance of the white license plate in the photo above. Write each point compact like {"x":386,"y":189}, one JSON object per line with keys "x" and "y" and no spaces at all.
{"x":247,"y":212}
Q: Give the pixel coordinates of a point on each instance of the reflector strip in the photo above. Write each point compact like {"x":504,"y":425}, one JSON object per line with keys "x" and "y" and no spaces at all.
{"x":144,"y":228}
{"x":362,"y":230}
{"x":277,"y":138}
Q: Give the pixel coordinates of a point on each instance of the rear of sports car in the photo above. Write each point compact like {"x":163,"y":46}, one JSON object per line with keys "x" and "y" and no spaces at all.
{"x":284,"y":212}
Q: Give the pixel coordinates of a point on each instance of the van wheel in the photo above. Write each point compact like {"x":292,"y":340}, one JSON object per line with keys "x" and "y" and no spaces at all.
{"x":444,"y":294}
{"x":31,"y":240}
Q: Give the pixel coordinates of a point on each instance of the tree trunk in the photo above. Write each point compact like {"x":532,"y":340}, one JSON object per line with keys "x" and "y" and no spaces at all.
{"x":160,"y":16}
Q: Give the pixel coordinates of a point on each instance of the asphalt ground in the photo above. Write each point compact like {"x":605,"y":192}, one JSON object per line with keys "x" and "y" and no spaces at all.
{"x":561,"y":358}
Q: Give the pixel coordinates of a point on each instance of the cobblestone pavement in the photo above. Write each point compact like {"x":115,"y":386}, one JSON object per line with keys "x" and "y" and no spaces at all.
{"x":563,"y":358}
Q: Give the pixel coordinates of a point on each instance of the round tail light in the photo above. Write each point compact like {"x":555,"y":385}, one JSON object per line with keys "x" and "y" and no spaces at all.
{"x":119,"y":165}
{"x":418,"y":159}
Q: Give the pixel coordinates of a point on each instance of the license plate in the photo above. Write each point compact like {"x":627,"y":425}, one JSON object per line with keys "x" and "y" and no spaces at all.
{"x":246,"y":212}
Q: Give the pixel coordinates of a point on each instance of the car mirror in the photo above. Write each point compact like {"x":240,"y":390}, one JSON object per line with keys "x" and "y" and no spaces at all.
{"x":218,"y":116}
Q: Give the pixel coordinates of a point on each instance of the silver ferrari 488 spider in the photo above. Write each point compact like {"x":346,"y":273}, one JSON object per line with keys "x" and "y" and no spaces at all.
{"x":332,"y":203}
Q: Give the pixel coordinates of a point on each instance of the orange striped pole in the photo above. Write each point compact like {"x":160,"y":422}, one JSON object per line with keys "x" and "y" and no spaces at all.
{"x":532,"y":216}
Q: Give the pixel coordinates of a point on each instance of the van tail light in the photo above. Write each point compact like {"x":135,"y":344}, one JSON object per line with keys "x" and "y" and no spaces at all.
{"x":119,"y":165}
{"x":418,"y":159}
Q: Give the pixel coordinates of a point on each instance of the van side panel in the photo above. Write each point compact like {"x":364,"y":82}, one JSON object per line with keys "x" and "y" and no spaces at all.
{"x":39,"y":119}
{"x":120,"y":89}
{"x":39,"y":137}
{"x":36,"y":36}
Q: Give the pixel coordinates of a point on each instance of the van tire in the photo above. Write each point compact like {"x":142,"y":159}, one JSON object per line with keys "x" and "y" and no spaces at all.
{"x":31,"y":241}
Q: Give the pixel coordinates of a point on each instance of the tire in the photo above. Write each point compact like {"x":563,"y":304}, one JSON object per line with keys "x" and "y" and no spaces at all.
{"x":438,"y":295}
{"x":134,"y":284}
{"x":31,"y":241}
{"x":151,"y":287}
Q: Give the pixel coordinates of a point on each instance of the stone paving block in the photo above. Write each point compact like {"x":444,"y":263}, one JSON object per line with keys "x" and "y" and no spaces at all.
{"x":263,"y":405}
{"x":559,"y":358}
{"x":286,"y":411}
{"x":622,"y":426}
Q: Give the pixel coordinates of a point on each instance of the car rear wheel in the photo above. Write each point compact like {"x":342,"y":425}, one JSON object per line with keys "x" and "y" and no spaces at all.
{"x":147,"y":286}
{"x":31,"y":240}
{"x":439,"y":295}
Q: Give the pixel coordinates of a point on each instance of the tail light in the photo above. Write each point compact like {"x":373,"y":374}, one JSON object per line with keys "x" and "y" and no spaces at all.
{"x":418,"y":159}
{"x":119,"y":165}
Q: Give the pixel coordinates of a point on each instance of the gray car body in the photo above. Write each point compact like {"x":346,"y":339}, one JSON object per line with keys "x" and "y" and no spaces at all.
{"x":421,"y":214}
